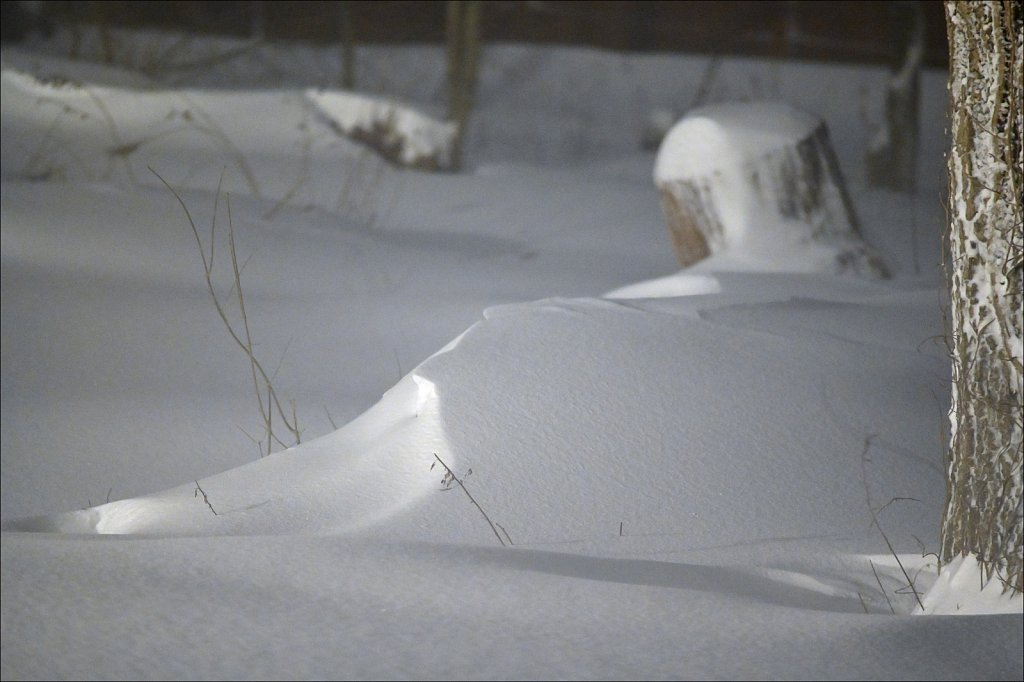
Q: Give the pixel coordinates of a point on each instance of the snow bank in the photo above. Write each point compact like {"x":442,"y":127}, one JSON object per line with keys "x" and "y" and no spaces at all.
{"x":568,"y":444}
{"x":48,"y":68}
{"x":961,"y":590}
{"x":678,"y":284}
{"x":708,"y":444}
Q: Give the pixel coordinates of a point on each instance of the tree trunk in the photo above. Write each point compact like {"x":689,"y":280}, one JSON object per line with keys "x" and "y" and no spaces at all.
{"x":892,"y":153}
{"x":986,"y":242}
{"x":101,"y":16}
{"x":348,"y":45}
{"x":463,"y":35}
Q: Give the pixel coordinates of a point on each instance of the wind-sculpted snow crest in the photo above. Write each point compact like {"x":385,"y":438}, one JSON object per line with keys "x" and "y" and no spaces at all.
{"x":572,"y":430}
{"x":355,"y":477}
{"x":562,"y":426}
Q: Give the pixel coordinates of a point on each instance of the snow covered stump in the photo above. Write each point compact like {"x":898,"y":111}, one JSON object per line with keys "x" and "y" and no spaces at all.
{"x":763,"y":175}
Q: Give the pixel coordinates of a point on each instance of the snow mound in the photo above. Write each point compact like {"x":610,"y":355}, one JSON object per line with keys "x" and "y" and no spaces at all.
{"x":54,"y":71}
{"x":678,"y":284}
{"x":567,"y":444}
{"x":352,"y":478}
{"x":960,"y":590}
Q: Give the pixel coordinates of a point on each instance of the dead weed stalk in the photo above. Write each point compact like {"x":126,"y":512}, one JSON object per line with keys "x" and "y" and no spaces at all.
{"x":267,"y":399}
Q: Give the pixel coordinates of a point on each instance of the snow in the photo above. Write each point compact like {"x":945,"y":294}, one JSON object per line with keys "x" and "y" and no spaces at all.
{"x":961,"y":577}
{"x":720,"y":136}
{"x":417,"y":137}
{"x":757,"y":177}
{"x":685,"y":463}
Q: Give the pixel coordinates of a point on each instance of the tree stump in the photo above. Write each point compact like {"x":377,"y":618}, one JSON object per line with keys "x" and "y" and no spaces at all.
{"x":758,"y":176}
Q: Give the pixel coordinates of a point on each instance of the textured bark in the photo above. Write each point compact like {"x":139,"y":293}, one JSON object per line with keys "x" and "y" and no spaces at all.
{"x":692,"y":219}
{"x":984,"y":507}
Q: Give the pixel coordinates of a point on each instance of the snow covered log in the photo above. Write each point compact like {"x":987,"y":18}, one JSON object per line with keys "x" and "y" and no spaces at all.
{"x":401,"y":135}
{"x":761,"y":174}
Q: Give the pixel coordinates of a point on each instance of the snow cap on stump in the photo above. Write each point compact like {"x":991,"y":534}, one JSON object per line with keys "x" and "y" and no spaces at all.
{"x":762,"y":176}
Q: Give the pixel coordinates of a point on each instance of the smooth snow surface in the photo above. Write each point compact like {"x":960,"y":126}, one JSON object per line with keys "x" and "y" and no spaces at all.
{"x":721,"y":136}
{"x":673,"y":479}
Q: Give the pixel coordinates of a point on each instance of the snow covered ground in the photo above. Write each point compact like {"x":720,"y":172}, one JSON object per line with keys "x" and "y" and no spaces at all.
{"x":676,"y":472}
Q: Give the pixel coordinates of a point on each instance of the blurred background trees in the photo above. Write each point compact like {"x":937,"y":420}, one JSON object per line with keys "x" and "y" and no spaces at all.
{"x":802,"y":29}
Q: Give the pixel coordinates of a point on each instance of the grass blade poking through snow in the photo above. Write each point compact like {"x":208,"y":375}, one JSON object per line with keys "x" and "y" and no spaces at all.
{"x":450,"y":476}
{"x":874,"y":521}
{"x":199,"y":491}
{"x":262,"y":383}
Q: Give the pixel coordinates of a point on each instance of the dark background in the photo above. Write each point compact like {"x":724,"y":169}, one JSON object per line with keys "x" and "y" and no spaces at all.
{"x":791,"y":29}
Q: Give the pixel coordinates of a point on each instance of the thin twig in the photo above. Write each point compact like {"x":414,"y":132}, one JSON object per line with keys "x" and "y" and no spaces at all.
{"x":330,"y":419}
{"x":206,"y":499}
{"x":874,"y":520}
{"x":507,"y":536}
{"x":897,"y":499}
{"x":879,"y":580}
{"x":243,"y":339}
{"x":452,"y":477}
{"x":910,"y":582}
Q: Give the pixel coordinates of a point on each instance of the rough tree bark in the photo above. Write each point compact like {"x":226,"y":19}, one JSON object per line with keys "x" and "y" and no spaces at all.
{"x":984,"y":494}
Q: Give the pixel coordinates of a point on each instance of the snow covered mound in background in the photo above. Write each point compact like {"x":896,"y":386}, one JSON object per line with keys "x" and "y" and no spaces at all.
{"x":53,"y":69}
{"x":679,"y":284}
{"x":716,"y":137}
{"x":397,"y":132}
{"x":763,"y":179}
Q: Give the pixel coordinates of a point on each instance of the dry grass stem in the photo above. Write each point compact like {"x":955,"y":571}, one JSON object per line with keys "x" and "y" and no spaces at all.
{"x":199,"y":491}
{"x":884,"y":594}
{"x":267,"y":399}
{"x":449,"y":478}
